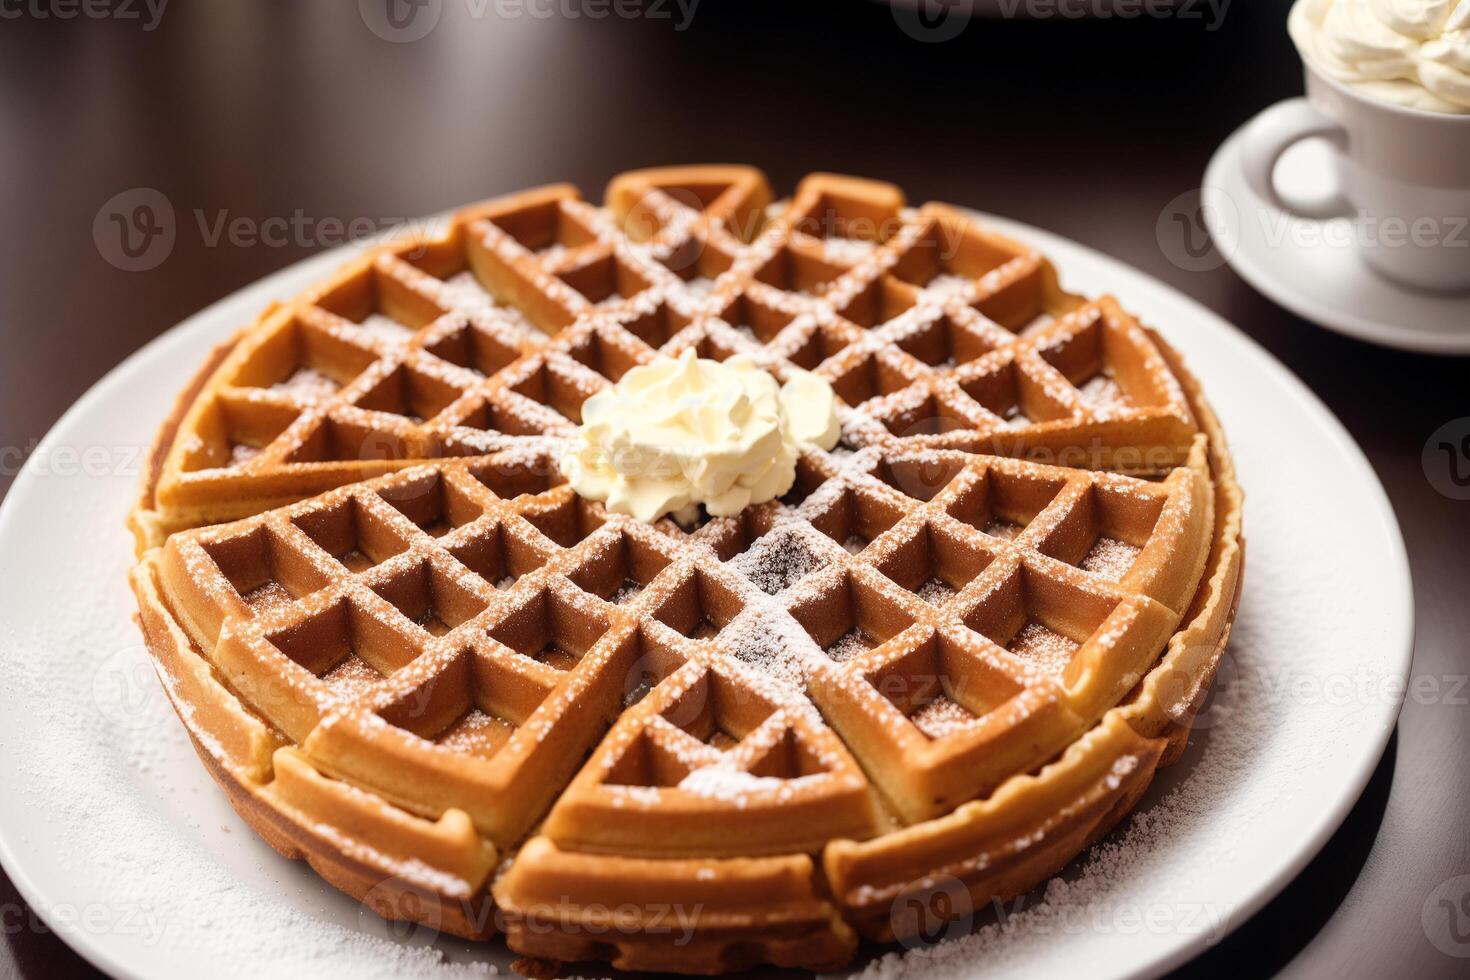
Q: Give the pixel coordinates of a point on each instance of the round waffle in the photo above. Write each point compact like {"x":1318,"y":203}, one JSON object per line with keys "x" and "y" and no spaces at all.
{"x":948,"y":659}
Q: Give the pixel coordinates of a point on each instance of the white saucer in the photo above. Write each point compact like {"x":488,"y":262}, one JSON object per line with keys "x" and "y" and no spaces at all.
{"x":1310,"y":267}
{"x":114,"y":832}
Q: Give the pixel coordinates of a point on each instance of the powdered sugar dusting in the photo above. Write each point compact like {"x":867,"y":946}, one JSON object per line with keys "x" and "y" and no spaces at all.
{"x":386,"y":330}
{"x":780,"y":559}
{"x":846,"y":251}
{"x":1109,"y":558}
{"x":766,"y":638}
{"x":463,"y":289}
{"x":307,"y":384}
{"x":851,"y":644}
{"x":949,"y":284}
{"x":476,"y":733}
{"x":1104,"y":397}
{"x":241,"y":454}
{"x":941,"y":717}
{"x":721,"y":783}
{"x":351,"y":678}
{"x":936,"y":592}
{"x":1047,"y":650}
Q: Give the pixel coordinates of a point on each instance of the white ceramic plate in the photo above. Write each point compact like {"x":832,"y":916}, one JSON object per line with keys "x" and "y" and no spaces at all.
{"x":1310,"y":267}
{"x":111,"y":828}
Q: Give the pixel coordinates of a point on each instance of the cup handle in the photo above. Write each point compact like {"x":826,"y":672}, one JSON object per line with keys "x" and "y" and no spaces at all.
{"x":1272,"y":133}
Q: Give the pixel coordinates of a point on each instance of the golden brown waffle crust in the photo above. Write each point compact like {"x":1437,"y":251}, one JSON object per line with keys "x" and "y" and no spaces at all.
{"x":807,"y":910}
{"x":144,"y":519}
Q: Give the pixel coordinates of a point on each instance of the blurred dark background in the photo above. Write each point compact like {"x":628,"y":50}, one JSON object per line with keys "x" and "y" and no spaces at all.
{"x":1093,"y":128}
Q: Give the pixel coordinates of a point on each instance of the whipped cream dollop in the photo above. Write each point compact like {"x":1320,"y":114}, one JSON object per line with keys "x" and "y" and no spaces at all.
{"x":1412,"y":53}
{"x":677,"y":433}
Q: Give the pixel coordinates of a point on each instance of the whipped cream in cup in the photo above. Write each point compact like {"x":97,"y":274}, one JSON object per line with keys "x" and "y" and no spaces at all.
{"x":675,"y":434}
{"x":1411,"y":53}
{"x":1388,"y":86}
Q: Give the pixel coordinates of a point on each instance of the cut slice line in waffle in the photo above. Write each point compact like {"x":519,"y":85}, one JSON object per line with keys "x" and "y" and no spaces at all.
{"x":955,"y":650}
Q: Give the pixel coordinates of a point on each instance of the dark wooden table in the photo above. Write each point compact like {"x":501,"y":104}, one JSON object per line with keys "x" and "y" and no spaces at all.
{"x":299,"y":111}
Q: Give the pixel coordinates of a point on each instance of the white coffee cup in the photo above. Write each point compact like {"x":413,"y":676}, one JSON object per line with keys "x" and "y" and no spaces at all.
{"x":1403,"y":172}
